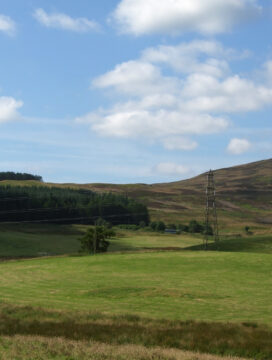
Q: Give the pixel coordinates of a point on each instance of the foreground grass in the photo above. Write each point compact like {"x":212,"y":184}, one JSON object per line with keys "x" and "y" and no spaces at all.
{"x":205,"y":286}
{"x":125,"y":331}
{"x":42,"y":348}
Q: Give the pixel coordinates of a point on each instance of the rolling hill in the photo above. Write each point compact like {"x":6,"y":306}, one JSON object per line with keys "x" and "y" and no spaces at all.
{"x":244,"y":196}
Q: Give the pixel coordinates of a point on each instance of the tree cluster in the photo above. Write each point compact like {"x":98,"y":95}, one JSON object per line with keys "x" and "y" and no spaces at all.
{"x":10,"y":175}
{"x":194,"y":227}
{"x":65,"y":205}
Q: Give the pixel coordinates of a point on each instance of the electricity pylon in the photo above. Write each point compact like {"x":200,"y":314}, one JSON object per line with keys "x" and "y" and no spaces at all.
{"x":211,"y":223}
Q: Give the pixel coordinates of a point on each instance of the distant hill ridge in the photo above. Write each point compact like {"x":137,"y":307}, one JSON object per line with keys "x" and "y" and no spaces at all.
{"x":244,"y":196}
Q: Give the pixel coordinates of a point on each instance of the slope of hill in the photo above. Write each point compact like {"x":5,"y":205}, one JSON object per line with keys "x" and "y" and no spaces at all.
{"x":244,"y":196}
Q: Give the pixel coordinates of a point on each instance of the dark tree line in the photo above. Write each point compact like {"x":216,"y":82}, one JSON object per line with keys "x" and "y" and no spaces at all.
{"x":64,"y":205}
{"x":9,"y":175}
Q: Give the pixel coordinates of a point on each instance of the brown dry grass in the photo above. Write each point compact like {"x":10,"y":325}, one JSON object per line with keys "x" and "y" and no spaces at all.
{"x":132,"y":332}
{"x":42,"y":348}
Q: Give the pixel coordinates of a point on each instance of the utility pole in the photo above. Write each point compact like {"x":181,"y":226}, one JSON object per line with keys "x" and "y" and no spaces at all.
{"x":211,"y":213}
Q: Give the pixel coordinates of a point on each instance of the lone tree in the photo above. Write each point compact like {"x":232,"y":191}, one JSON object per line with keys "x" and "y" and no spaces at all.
{"x":95,"y":239}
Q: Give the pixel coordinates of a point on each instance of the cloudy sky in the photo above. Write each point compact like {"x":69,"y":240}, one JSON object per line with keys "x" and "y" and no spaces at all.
{"x":134,"y":90}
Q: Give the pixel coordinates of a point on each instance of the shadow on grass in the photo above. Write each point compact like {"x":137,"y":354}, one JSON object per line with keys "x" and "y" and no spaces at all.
{"x":246,"y":339}
{"x":248,"y":244}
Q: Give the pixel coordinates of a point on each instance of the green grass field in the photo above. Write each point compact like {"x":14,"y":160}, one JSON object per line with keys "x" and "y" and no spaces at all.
{"x":251,"y":244}
{"x":34,"y":240}
{"x":207,"y":286}
{"x":28,"y":240}
{"x":140,"y":301}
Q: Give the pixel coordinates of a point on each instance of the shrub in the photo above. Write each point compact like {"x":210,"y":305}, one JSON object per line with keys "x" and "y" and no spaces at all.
{"x":94,"y":241}
{"x":195,"y":227}
{"x":160,"y":226}
{"x":183,"y":228}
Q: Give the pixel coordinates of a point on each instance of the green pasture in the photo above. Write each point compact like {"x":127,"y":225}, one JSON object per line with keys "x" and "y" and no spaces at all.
{"x":251,"y":244}
{"x":34,"y":240}
{"x":30,"y":240}
{"x":208,"y":286}
{"x":151,"y":289}
{"x":140,"y":240}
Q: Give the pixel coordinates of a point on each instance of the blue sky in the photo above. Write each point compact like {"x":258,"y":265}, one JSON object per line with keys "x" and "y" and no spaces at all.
{"x":134,"y":90}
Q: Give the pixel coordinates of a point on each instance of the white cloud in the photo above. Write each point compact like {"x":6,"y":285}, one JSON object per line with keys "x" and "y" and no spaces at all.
{"x":130,"y":120}
{"x":7,"y":25}
{"x":171,"y":169}
{"x":232,"y":94}
{"x":65,"y":22}
{"x":179,"y":143}
{"x":173,"y":17}
{"x":188,"y":57}
{"x":194,"y":98}
{"x":238,"y":146}
{"x":135,"y":77}
{"x":8,"y":109}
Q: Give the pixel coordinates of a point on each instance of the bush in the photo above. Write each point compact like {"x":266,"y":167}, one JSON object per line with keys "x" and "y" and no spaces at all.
{"x":94,"y":241}
{"x":153,"y":225}
{"x":183,"y":228}
{"x":195,"y":227}
{"x":208,"y":230}
{"x":160,"y":226}
{"x":157,"y":226}
{"x":129,"y":227}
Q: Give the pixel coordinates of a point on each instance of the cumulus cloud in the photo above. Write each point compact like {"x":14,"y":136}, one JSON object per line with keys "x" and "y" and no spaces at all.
{"x":7,"y":25}
{"x":65,"y":22}
{"x":171,"y":169}
{"x":188,"y":57}
{"x":9,"y":109}
{"x":132,"y":122}
{"x":179,"y":143}
{"x":136,"y":78}
{"x":173,"y":17}
{"x":167,"y":101}
{"x":238,"y":146}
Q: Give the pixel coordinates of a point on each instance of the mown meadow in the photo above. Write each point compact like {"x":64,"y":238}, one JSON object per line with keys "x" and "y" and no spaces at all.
{"x":154,"y":296}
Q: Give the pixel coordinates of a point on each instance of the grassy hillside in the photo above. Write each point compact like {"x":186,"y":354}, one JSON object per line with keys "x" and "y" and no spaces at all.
{"x":137,"y":306}
{"x":172,"y":285}
{"x":244,"y":196}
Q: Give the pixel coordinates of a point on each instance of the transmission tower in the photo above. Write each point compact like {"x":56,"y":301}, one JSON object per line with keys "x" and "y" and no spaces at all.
{"x":211,"y":224}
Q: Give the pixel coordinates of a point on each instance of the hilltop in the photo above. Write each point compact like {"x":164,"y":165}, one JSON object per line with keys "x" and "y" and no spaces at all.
{"x":244,"y":195}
